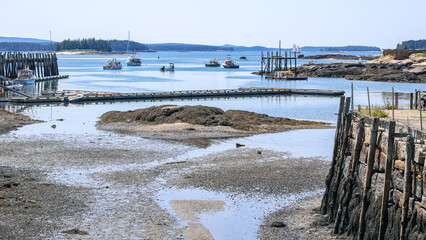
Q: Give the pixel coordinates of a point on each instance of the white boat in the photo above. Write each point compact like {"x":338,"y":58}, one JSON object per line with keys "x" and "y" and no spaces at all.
{"x":25,"y":77}
{"x":171,"y":67}
{"x":132,"y":60}
{"x":228,"y":63}
{"x":113,"y":64}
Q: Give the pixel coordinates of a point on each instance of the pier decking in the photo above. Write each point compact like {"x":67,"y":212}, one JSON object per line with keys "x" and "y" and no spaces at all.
{"x":74,"y":96}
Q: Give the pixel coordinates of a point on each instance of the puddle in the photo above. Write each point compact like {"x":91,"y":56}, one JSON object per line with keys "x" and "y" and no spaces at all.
{"x":241,"y":214}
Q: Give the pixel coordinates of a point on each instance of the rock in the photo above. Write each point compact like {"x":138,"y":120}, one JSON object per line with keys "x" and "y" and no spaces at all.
{"x":238,"y":145}
{"x":258,"y":152}
{"x":76,"y":231}
{"x":202,"y":115}
{"x":278,"y":225}
{"x":53,"y":126}
{"x":7,"y":185}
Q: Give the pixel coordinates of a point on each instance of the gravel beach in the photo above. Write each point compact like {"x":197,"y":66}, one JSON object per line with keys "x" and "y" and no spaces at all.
{"x":106,"y":186}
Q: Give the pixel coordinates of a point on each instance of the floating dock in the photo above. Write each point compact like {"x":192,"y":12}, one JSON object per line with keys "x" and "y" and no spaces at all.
{"x":55,"y":77}
{"x":75,"y":96}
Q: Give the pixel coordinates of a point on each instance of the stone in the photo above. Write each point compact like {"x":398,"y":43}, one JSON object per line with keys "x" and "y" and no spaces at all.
{"x":76,"y":231}
{"x":278,"y":225}
{"x":238,"y":145}
{"x":419,"y":153}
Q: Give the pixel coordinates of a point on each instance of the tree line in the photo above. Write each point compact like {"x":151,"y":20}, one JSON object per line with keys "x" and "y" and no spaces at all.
{"x":85,"y":43}
{"x":25,"y":46}
{"x":412,"y":44}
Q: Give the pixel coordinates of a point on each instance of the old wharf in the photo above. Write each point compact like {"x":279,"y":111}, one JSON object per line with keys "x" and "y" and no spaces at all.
{"x":45,"y":65}
{"x":84,"y":96}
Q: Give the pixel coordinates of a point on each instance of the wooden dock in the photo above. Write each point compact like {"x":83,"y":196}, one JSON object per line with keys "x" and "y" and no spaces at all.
{"x":55,"y":77}
{"x":73,"y":96}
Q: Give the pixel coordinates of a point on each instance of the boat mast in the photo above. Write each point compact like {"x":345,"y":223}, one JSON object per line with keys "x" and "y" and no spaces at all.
{"x":128,"y":41}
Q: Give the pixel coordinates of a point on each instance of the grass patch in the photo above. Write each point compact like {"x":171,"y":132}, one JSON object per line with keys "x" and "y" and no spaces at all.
{"x":375,"y":112}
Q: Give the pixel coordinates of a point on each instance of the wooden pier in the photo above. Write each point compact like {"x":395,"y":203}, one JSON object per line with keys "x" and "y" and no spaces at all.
{"x":73,"y":96}
{"x":44,"y":64}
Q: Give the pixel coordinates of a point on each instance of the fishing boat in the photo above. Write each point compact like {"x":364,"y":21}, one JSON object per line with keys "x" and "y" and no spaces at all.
{"x":25,"y":77}
{"x":133,"y":61}
{"x":228,"y":63}
{"x":113,"y":64}
{"x":213,"y":63}
{"x":170,"y":68}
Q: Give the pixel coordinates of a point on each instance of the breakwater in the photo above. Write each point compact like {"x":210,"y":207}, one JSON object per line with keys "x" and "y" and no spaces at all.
{"x":375,"y":186}
{"x":83,"y":96}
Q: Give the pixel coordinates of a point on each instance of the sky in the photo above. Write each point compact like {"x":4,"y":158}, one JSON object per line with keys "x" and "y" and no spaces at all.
{"x":382,"y":23}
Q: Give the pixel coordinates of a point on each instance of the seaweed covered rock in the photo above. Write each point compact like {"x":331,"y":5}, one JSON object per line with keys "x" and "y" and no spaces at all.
{"x":203,"y":115}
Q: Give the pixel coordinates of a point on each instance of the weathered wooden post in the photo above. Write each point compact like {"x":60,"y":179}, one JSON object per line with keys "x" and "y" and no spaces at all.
{"x":369,"y":106}
{"x":349,"y":182}
{"x":333,"y":159}
{"x":407,"y":186}
{"x":411,"y":100}
{"x":388,"y":172}
{"x":368,"y":175}
{"x":346,"y":124}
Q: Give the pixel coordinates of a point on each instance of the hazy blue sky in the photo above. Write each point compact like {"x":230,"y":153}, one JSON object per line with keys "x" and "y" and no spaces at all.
{"x":380,"y":23}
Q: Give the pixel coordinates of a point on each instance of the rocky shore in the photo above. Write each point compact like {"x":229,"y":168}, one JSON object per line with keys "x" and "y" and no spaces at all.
{"x":381,"y":69}
{"x":341,"y":57}
{"x":12,"y":121}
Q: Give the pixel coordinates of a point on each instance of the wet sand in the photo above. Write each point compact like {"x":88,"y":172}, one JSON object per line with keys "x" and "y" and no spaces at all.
{"x":106,"y":185}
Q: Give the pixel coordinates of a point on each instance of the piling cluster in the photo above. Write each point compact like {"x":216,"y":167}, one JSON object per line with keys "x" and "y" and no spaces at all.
{"x":375,"y":186}
{"x":44,"y":64}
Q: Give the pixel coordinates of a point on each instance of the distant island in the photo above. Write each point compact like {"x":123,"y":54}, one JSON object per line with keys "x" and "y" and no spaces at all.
{"x":351,"y":49}
{"x":106,"y":46}
{"x":182,"y":47}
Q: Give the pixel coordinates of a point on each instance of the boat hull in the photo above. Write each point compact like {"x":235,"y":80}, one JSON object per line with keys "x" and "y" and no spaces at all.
{"x":131,"y":64}
{"x":112,"y":68}
{"x":24,"y":81}
{"x":231,"y":66}
{"x":212,"y":64}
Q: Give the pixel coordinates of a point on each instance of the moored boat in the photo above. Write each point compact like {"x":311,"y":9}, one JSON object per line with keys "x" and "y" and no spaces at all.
{"x":133,"y":61}
{"x":228,"y":63}
{"x":170,"y":68}
{"x":25,"y":77}
{"x":213,"y":63}
{"x":113,"y":64}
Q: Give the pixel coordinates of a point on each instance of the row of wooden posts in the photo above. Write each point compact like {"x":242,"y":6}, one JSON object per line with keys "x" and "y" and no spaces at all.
{"x":44,"y":64}
{"x":275,"y":62}
{"x":337,"y":208}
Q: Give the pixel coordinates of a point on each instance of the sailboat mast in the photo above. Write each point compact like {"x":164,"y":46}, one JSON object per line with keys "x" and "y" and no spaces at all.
{"x":128,"y":41}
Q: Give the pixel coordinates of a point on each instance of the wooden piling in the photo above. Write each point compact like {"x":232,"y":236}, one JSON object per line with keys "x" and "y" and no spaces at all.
{"x":388,"y":172}
{"x":411,"y":100}
{"x":342,"y":213}
{"x":346,"y":124}
{"x":407,"y":186}
{"x":368,"y":175}
{"x":333,"y":159}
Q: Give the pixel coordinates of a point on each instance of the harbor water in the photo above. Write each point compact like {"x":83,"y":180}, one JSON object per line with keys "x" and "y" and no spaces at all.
{"x":86,"y":73}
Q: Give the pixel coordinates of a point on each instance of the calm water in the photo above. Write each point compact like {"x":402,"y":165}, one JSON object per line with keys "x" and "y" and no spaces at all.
{"x":86,"y":73}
